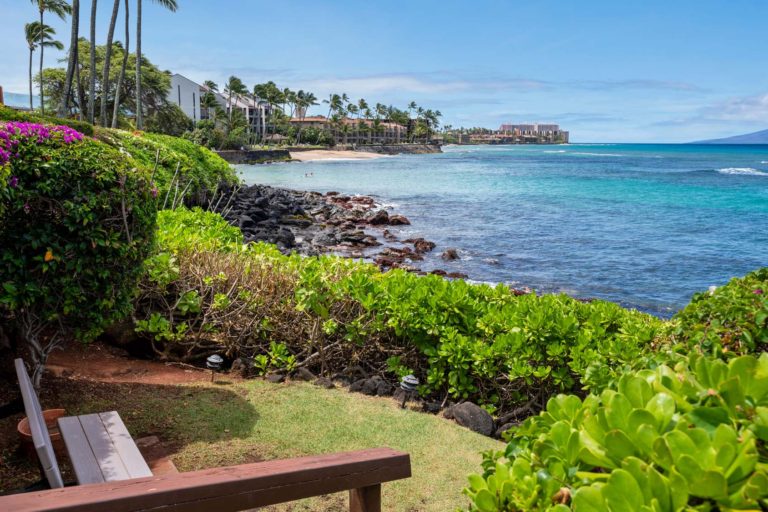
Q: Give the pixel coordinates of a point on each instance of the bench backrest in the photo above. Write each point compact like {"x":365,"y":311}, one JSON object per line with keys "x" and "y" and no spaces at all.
{"x":40,"y":437}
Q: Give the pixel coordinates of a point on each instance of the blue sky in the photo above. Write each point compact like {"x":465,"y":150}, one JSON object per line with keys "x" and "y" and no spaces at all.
{"x":666,"y":71}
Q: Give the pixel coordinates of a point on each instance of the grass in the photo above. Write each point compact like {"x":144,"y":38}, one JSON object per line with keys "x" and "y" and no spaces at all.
{"x":208,"y":425}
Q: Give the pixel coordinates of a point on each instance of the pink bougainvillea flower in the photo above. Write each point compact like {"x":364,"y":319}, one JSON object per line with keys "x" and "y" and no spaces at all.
{"x":759,"y":291}
{"x":13,"y":182}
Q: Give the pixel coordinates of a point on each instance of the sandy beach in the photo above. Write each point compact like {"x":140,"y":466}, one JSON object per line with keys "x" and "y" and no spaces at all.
{"x":328,"y":154}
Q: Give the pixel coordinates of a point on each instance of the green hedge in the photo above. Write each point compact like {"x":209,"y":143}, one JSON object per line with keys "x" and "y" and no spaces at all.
{"x":464,"y":341}
{"x":728,"y":321}
{"x":9,"y":114}
{"x":200,"y":171}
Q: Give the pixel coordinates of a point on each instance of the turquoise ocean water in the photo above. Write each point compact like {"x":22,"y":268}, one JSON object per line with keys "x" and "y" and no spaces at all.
{"x":642,"y":225}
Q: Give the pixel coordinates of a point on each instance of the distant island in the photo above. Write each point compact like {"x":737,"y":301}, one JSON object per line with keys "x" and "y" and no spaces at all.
{"x":760,"y":137}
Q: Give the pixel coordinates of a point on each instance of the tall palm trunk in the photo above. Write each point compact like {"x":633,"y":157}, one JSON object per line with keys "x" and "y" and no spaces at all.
{"x":31,"y":101}
{"x":92,"y":88}
{"x":80,"y":91}
{"x":139,"y":114}
{"x":42,"y":50}
{"x":126,"y":52}
{"x":107,"y":58}
{"x":72,"y":60}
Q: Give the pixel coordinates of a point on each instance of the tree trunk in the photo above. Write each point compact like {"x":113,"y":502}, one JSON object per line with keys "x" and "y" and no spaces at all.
{"x":92,"y":88}
{"x":72,"y":60}
{"x":80,"y":91}
{"x":126,"y":53}
{"x":42,"y":51}
{"x":139,"y":114}
{"x":107,"y":58}
{"x":31,"y":101}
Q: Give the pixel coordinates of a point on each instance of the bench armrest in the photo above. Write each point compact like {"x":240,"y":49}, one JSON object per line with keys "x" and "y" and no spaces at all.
{"x":233,"y":488}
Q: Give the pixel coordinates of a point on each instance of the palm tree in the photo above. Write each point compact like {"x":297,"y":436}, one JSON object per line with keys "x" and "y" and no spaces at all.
{"x":107,"y":58}
{"x":60,"y":8}
{"x":233,"y":88}
{"x":73,"y":58}
{"x":40,"y":36}
{"x":171,"y":6}
{"x":304,"y":101}
{"x":211,"y":85}
{"x":121,"y":76}
{"x":92,"y":84}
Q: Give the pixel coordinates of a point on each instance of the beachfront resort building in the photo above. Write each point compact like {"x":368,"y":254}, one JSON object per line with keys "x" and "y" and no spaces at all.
{"x":188,"y":95}
{"x":356,"y":131}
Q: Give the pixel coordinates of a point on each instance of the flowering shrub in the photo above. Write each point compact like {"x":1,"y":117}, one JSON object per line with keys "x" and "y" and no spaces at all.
{"x":76,"y":223}
{"x":9,"y":114}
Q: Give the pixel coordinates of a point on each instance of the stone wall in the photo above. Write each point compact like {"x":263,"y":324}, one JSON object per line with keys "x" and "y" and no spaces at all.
{"x":255,"y":157}
{"x":400,"y":149}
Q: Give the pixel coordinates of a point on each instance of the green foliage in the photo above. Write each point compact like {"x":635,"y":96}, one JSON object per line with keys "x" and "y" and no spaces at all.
{"x":9,"y":114}
{"x":277,"y":358}
{"x":206,"y":134}
{"x":155,"y":83}
{"x":76,"y":229}
{"x":189,"y":230}
{"x":169,"y":119}
{"x":691,"y":436}
{"x":467,"y":341}
{"x":200,"y":171}
{"x":729,"y":321}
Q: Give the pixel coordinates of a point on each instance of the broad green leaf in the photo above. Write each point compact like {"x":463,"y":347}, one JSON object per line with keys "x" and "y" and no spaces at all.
{"x":588,"y":499}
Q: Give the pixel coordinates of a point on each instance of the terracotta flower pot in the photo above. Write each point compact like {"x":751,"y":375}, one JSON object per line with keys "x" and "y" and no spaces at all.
{"x":50,"y":416}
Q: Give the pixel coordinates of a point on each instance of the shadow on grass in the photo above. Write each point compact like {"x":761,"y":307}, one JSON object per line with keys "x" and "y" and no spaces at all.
{"x":179,"y":415}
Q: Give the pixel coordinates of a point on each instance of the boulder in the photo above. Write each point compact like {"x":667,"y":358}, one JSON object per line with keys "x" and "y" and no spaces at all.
{"x":304,"y":374}
{"x":325,"y":382}
{"x":276,"y":378}
{"x":379,"y":218}
{"x":450,"y":254}
{"x":398,"y":220}
{"x":423,"y":246}
{"x":471,"y":416}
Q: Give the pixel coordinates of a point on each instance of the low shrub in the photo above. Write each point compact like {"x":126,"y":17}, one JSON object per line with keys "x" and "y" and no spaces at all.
{"x":180,"y":167}
{"x":169,"y":119}
{"x":76,"y":224}
{"x":464,"y":341}
{"x":728,"y":321}
{"x":9,"y":114}
{"x":689,"y":436}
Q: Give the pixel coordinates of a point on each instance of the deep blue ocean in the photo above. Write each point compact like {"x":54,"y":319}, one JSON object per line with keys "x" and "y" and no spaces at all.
{"x":639,"y":224}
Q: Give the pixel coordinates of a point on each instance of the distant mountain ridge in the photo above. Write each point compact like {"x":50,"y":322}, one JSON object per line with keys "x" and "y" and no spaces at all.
{"x":760,"y":137}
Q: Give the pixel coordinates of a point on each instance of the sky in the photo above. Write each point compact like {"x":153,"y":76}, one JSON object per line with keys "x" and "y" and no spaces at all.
{"x":607,"y":71}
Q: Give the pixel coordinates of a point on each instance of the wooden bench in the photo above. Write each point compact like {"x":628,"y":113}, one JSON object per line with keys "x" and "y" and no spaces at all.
{"x":227,"y":489}
{"x":99,"y":446}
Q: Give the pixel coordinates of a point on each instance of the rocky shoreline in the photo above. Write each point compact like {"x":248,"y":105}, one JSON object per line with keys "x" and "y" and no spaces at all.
{"x":312,"y":223}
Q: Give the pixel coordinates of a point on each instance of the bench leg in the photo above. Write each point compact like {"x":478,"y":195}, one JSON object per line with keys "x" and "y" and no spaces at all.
{"x":365,"y":499}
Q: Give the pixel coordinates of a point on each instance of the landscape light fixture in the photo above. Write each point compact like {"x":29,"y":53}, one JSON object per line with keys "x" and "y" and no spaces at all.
{"x":214,"y":363}
{"x":408,"y":384}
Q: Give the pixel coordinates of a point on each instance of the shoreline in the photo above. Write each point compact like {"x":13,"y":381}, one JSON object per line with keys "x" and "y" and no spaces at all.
{"x":312,"y":223}
{"x":315,"y":155}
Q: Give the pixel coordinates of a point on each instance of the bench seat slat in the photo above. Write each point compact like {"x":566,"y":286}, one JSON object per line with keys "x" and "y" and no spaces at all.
{"x":124,"y":444}
{"x":84,"y":463}
{"x":112,"y":467}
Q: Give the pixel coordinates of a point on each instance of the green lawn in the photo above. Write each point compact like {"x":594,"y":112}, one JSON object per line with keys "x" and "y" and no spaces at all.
{"x":231,"y":423}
